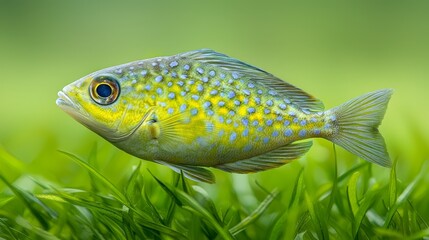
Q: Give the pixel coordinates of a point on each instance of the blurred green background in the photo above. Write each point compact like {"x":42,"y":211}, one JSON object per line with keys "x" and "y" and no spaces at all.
{"x":335,"y":50}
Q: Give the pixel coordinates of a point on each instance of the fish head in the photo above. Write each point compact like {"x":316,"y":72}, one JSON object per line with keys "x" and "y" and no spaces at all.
{"x":104,"y":102}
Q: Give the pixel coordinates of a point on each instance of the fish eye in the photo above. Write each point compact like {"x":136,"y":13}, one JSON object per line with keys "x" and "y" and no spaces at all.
{"x":104,"y":89}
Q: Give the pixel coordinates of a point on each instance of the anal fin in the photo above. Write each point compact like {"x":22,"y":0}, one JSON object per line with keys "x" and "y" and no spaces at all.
{"x":198,"y":174}
{"x":272,"y":159}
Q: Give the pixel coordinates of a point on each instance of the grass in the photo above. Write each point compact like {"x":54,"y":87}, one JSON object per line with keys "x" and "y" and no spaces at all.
{"x":353,"y":204}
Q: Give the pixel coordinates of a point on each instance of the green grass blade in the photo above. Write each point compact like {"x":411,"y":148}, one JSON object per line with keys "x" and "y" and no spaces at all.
{"x":334,"y":188}
{"x":352,"y":192}
{"x":316,"y":215}
{"x":255,"y":214}
{"x":98,"y":175}
{"x":392,"y":185}
{"x":167,"y":189}
{"x":39,"y":210}
{"x":370,"y":198}
{"x":405,"y":195}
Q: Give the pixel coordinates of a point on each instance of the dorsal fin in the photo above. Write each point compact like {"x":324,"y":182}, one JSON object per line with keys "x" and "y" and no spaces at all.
{"x":272,"y":159}
{"x":297,"y":96}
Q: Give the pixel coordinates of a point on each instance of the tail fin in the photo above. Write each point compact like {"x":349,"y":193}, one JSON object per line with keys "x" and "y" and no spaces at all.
{"x":357,"y":121}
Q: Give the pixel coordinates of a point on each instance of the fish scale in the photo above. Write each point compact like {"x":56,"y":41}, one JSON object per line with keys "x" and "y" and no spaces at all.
{"x":204,"y":109}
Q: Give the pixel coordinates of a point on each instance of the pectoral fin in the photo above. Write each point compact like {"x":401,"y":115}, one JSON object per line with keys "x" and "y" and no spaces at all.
{"x":198,"y":174}
{"x":177,"y":129}
{"x":272,"y":159}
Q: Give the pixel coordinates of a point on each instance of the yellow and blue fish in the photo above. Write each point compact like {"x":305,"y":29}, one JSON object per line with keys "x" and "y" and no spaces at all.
{"x":204,"y":109}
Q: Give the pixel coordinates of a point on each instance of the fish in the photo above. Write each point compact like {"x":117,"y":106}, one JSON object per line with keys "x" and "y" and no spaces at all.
{"x":203,"y":109}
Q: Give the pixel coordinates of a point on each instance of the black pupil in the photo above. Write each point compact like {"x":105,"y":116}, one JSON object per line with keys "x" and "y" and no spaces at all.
{"x":104,"y":90}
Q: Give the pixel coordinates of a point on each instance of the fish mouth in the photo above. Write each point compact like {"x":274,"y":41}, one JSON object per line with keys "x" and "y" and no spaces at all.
{"x":66,"y":103}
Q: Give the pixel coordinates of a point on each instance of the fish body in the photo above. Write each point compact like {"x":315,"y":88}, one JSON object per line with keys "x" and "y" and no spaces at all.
{"x":204,"y":109}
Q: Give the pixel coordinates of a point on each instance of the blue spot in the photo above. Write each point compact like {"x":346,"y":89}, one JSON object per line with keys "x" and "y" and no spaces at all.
{"x":165,"y":71}
{"x":171,"y":95}
{"x":212,"y":73}
{"x":200,"y":70}
{"x":258,"y":100}
{"x":266,"y":140}
{"x":288,"y":132}
{"x":174,"y":74}
{"x":183,"y":93}
{"x":275,"y":133}
{"x":174,"y":64}
{"x":183,"y":107}
{"x":232,"y":137}
{"x":237,"y":103}
{"x":162,"y":104}
{"x":194,"y":111}
{"x":245,"y":121}
{"x":279,"y":118}
{"x":333,"y":118}
{"x":228,"y":121}
{"x":302,"y":133}
{"x":221,"y":103}
{"x":231,"y":94}
{"x":303,"y":122}
{"x":205,"y":79}
{"x":295,"y":120}
{"x":266,"y":110}
{"x":313,"y":120}
{"x":213,"y":92}
{"x":286,"y":123}
{"x":216,"y":83}
{"x":230,"y":81}
{"x":260,"y":91}
{"x":270,"y":103}
{"x":170,"y":111}
{"x":158,"y":78}
{"x":287,"y":101}
{"x":207,"y":104}
{"x":260,"y":129}
{"x":306,"y":111}
{"x":235,"y":124}
{"x":221,"y":119}
{"x":186,"y":67}
{"x":195,"y":97}
{"x":159,"y":91}
{"x":317,"y":131}
{"x":245,"y":132}
{"x":234,"y":75}
{"x":247,"y":92}
{"x":180,"y":83}
{"x":255,"y":123}
{"x":221,"y":132}
{"x":251,"y":110}
{"x":143,"y":73}
{"x":154,"y":64}
{"x":222,"y":75}
{"x":282,"y":106}
{"x":169,"y":84}
{"x":292,"y":114}
{"x":272,"y":92}
{"x":148,"y":87}
{"x":327,"y":126}
{"x":246,"y":100}
{"x":231,"y":113}
{"x":210,"y":112}
{"x":183,"y":76}
{"x":200,"y":88}
{"x":269,"y":122}
{"x":247,"y":148}
{"x":251,"y":85}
